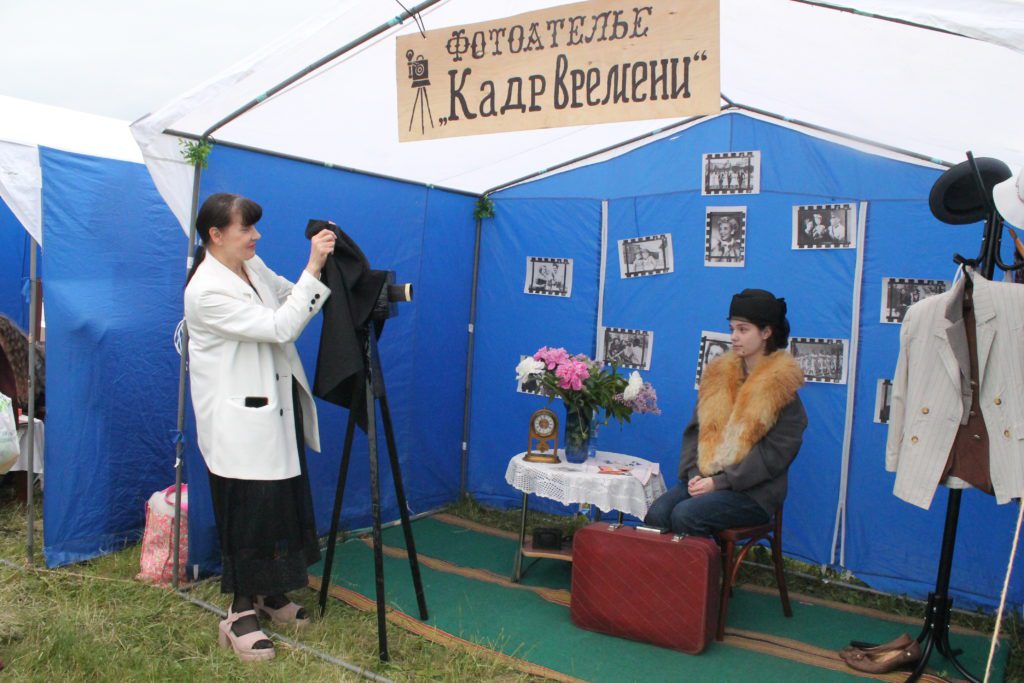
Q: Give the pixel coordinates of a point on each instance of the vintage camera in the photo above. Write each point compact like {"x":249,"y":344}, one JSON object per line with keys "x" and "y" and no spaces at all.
{"x":389,"y":293}
{"x":418,"y":69}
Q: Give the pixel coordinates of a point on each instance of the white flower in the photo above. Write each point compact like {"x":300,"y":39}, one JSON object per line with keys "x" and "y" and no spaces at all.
{"x":528,"y":366}
{"x":636,"y":383}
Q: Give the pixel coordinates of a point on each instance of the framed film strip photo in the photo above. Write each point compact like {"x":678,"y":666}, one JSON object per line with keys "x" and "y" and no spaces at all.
{"x":642,"y":256}
{"x":626,"y":348}
{"x":725,"y":236}
{"x":548,"y":276}
{"x":900,"y":293}
{"x":731,"y":173}
{"x":883,"y":401}
{"x":822,"y":360}
{"x":825,"y":226}
{"x":712,"y":345}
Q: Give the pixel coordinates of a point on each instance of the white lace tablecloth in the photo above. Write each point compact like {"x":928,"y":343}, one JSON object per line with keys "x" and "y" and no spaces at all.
{"x":567,"y":483}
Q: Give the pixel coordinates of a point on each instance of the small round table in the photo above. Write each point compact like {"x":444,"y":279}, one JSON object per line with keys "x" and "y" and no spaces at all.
{"x":568,"y":483}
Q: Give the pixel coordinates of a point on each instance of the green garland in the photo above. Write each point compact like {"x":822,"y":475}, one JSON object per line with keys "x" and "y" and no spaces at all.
{"x":484,"y":208}
{"x":195,"y":152}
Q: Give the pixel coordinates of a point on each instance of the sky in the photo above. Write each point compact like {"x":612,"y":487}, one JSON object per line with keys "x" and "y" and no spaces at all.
{"x":125,"y":58}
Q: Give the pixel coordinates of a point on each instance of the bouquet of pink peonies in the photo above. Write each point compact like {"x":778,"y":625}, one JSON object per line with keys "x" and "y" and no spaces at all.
{"x":586,"y":388}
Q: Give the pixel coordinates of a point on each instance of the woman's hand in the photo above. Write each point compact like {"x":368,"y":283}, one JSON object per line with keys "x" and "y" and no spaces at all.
{"x":320,"y":247}
{"x":700,"y":485}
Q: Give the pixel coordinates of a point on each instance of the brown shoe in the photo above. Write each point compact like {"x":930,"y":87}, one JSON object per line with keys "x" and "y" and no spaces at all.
{"x":900,"y":643}
{"x":884,"y":661}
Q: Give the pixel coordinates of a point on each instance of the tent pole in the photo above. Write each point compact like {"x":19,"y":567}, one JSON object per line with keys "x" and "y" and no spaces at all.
{"x":840,"y":134}
{"x":179,"y":441}
{"x":369,"y":35}
{"x":839,"y":530}
{"x":588,"y":155}
{"x":323,"y":164}
{"x":870,"y":15}
{"x":469,"y":362}
{"x":30,"y":511}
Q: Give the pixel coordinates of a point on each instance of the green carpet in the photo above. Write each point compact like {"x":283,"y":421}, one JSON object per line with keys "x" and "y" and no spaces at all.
{"x":523,"y":625}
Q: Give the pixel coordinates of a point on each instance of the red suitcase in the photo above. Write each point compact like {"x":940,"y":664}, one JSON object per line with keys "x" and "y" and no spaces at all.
{"x":656,"y":588}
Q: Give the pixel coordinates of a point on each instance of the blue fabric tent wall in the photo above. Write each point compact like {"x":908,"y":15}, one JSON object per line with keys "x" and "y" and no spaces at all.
{"x":114,"y":270}
{"x":656,"y":189}
{"x":14,"y":268}
{"x":426,"y":236}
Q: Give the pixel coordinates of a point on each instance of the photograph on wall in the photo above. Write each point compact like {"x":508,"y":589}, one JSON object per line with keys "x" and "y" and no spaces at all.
{"x":822,"y":360}
{"x":548,"y":276}
{"x":712,"y":345}
{"x":725,"y":236}
{"x":531,"y":385}
{"x":883,"y":401}
{"x":627,"y":348}
{"x":650,"y":255}
{"x":731,"y":173}
{"x":900,"y":293}
{"x":825,"y":226}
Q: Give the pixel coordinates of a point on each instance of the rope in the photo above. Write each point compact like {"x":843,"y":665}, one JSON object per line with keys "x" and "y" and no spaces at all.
{"x":1002,"y":598}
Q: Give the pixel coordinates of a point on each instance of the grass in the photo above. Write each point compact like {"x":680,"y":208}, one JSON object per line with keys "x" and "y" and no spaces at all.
{"x":93,"y":621}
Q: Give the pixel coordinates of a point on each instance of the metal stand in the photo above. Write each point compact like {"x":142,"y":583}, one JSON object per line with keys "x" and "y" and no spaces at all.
{"x":374,"y":392}
{"x":935,"y":632}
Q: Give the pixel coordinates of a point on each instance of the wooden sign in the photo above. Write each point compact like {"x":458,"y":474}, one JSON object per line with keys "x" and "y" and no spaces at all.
{"x":589,"y":62}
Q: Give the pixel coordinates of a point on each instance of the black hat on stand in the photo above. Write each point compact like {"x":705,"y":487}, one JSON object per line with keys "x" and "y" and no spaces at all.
{"x":955,"y":198}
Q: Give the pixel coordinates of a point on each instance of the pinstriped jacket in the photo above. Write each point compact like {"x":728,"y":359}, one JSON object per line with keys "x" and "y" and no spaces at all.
{"x":931,"y":389}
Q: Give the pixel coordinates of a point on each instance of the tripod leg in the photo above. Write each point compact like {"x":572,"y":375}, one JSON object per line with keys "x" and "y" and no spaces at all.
{"x":403,"y":510}
{"x":332,"y":539}
{"x":378,"y":550}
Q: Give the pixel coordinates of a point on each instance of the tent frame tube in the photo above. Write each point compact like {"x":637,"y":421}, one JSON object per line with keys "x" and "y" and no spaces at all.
{"x":464,"y":465}
{"x":840,"y":134}
{"x":882,"y":17}
{"x":351,"y":45}
{"x":324,"y":164}
{"x":179,"y":441}
{"x":30,"y":510}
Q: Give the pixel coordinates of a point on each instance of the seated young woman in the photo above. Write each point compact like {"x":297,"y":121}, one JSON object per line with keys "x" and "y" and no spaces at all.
{"x":745,"y":431}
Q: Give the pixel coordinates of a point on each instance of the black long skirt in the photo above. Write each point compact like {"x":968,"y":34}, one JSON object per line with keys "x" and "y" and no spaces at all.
{"x":267,"y":529}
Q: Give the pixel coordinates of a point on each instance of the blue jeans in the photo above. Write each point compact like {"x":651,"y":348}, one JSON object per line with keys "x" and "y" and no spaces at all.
{"x":705,"y":514}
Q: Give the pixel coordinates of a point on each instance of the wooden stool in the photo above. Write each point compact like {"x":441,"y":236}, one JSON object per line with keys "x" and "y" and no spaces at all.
{"x":731,"y":561}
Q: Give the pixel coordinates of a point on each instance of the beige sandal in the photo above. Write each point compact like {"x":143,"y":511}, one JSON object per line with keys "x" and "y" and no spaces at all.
{"x":282,"y":616}
{"x":243,"y":645}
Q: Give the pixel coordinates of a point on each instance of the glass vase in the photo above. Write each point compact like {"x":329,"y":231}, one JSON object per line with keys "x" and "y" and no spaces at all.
{"x":577,"y":434}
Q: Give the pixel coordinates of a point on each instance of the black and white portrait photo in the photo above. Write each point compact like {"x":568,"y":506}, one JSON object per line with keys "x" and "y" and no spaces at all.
{"x":548,"y":276}
{"x":725,"y":236}
{"x":731,"y":173}
{"x":822,"y":360}
{"x":825,"y":226}
{"x":531,"y":385}
{"x":650,"y":255}
{"x":900,"y":293}
{"x":883,"y":401}
{"x":712,"y":345}
{"x":627,"y":348}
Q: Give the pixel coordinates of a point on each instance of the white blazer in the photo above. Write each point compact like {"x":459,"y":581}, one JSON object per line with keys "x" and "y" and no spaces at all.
{"x":927,"y":401}
{"x":241,"y":345}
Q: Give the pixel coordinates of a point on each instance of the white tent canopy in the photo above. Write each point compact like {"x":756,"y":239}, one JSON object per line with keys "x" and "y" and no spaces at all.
{"x":926,"y":91}
{"x":25,"y":126}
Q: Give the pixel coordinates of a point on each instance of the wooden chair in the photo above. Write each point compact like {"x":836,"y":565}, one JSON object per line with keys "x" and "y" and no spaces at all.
{"x":746,"y":538}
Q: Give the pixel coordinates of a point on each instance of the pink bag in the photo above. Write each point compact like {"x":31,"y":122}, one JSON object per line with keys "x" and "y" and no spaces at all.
{"x":157,"y":558}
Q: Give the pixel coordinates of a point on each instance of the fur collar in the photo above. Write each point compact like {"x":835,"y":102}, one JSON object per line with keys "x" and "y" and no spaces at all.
{"x":733,"y":414}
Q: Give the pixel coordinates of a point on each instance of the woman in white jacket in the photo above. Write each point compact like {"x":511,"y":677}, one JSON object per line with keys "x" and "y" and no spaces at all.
{"x":254,"y":412}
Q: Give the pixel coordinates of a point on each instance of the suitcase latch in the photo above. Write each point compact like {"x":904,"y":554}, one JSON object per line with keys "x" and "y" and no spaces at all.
{"x":613,"y":527}
{"x":678,"y":537}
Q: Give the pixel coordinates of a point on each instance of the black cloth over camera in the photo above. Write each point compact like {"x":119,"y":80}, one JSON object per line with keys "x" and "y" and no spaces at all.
{"x":355,"y":288}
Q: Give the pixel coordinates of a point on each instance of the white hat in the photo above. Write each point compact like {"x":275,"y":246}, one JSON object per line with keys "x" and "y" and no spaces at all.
{"x":1009,"y":199}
